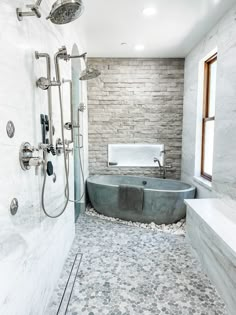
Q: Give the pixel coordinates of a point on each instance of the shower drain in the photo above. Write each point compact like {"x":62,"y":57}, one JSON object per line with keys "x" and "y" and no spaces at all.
{"x":69,"y":287}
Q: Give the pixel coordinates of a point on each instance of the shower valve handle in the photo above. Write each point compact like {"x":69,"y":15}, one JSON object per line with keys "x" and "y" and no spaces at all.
{"x":35,"y":9}
{"x":36,"y":161}
{"x":34,"y":12}
{"x":29,"y":156}
{"x":44,"y":83}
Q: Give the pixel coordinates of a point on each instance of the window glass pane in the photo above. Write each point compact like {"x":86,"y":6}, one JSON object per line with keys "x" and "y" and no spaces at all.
{"x":208,"y":147}
{"x":212,"y":88}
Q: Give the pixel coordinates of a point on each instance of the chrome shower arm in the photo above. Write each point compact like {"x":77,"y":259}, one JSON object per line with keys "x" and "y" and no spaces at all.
{"x":48,"y":61}
{"x":61,"y":54}
{"x":78,"y":56}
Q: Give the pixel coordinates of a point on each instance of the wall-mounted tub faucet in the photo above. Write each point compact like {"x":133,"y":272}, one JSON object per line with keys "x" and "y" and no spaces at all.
{"x":156,"y":160}
{"x":163,"y":167}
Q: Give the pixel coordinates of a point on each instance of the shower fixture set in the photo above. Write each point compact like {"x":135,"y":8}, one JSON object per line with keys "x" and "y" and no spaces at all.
{"x":29,"y":155}
{"x":63,"y":11}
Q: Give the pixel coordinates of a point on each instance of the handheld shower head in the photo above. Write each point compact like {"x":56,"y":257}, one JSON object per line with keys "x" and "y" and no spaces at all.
{"x":89,"y":74}
{"x":66,"y":11}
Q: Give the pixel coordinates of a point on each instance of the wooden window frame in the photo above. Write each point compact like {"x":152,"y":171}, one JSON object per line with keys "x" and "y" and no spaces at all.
{"x":206,"y":116}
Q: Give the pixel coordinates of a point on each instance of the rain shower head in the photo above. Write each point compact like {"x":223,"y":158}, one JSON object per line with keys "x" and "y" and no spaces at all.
{"x":65,"y":11}
{"x":89,"y":74}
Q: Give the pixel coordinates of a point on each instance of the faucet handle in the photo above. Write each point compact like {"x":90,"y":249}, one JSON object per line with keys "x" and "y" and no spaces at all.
{"x":35,"y":9}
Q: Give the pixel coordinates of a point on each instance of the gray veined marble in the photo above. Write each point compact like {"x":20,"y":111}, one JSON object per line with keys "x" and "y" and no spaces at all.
{"x":129,"y":270}
{"x":211,"y":229}
{"x":222,"y":37}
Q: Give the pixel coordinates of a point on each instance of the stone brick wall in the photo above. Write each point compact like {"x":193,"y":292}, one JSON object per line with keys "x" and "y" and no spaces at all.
{"x":136,"y":101}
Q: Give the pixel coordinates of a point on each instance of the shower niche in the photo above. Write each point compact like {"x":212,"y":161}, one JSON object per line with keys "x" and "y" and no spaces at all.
{"x":135,"y":155}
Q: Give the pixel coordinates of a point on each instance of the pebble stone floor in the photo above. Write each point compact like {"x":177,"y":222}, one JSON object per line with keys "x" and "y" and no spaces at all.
{"x":126,"y":270}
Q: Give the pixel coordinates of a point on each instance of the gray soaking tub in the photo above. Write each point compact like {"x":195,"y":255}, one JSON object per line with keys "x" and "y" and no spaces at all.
{"x":163,"y":199}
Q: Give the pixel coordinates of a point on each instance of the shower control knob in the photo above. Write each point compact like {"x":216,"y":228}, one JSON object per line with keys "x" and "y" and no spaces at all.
{"x":82,"y":107}
{"x":68,"y":126}
{"x":28,"y":156}
{"x":59,"y":146}
{"x":43,"y":83}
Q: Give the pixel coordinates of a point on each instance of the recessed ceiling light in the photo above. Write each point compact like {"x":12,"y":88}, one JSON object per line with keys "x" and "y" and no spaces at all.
{"x":149,"y":11}
{"x":123,"y":44}
{"x":139,"y":47}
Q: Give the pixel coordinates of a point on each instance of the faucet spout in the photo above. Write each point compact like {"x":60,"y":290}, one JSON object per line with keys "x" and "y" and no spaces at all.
{"x":162,"y":168}
{"x":156,"y":160}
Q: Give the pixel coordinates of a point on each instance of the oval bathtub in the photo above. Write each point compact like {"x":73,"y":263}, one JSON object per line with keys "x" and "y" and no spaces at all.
{"x":163,"y":201}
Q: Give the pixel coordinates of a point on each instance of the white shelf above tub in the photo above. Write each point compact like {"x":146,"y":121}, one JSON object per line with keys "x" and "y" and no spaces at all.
{"x":135,"y":155}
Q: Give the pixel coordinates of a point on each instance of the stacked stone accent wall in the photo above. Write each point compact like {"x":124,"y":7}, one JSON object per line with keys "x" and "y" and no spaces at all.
{"x":136,"y":101}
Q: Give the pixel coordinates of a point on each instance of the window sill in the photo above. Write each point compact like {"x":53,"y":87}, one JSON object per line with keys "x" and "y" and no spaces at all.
{"x":203,"y":182}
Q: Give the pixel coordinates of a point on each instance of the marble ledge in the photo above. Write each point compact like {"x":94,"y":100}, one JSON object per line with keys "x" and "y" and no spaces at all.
{"x":219,"y":215}
{"x":211,"y":230}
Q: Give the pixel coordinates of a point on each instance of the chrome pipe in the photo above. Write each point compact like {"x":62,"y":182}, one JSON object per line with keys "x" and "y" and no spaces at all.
{"x":22,"y":14}
{"x":71,"y":107}
{"x":49,"y":90}
{"x":78,"y":56}
{"x":58,"y":55}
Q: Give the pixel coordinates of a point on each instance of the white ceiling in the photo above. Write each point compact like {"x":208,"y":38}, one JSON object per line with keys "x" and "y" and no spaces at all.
{"x":172,"y":32}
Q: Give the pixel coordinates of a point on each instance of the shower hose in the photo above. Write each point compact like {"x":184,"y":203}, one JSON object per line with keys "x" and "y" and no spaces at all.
{"x":67,"y":171}
{"x":82,"y":174}
{"x":65,"y":166}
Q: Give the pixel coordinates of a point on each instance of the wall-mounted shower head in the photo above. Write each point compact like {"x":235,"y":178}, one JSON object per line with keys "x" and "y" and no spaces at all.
{"x":66,"y":11}
{"x":62,"y":12}
{"x":89,"y":74}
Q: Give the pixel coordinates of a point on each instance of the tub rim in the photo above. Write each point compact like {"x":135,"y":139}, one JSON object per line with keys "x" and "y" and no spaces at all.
{"x":191,"y":187}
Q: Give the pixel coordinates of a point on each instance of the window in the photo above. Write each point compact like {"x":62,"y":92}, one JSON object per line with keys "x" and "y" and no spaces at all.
{"x":208,"y":122}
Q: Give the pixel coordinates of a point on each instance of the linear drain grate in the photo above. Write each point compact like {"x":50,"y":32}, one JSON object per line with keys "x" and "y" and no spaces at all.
{"x":68,"y":290}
